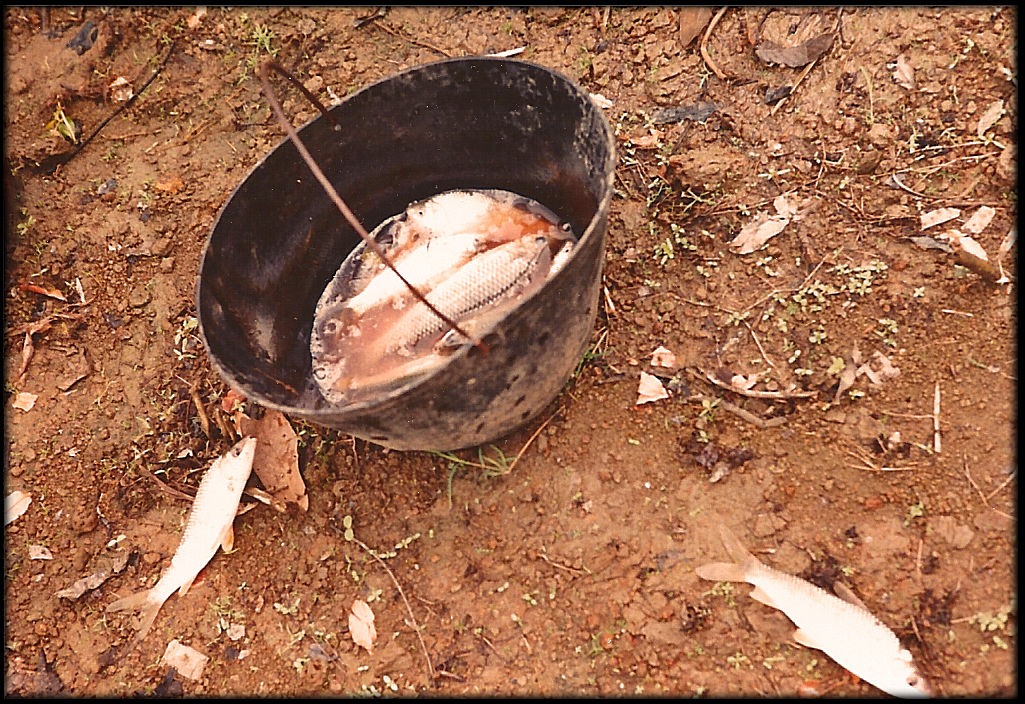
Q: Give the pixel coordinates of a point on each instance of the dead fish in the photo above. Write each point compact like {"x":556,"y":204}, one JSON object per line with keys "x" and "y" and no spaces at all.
{"x":473,"y":254}
{"x":209,"y":526}
{"x":845,"y":631}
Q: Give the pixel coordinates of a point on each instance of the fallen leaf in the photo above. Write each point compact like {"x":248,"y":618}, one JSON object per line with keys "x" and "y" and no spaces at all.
{"x":756,"y":233}
{"x":650,"y":389}
{"x":51,"y":292}
{"x":744,"y":383}
{"x":662,"y":357}
{"x":602,"y":101}
{"x":794,"y":56}
{"x":120,"y":90}
{"x":935,"y":217}
{"x":693,"y":21}
{"x":904,"y":74}
{"x":990,"y":116}
{"x":107,"y":567}
{"x":966,"y":243}
{"x":277,"y":457}
{"x":878,"y":376}
{"x":15,"y":504}
{"x":361,"y":625}
{"x":80,"y":368}
{"x":648,"y":141}
{"x":39,"y":552}
{"x":230,"y":401}
{"x":189,"y":662}
{"x":980,"y":220}
{"x":25,"y":401}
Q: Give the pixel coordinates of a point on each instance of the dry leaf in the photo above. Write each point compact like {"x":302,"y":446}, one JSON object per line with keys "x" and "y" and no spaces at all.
{"x":650,"y":389}
{"x":935,"y":217}
{"x":602,"y":101}
{"x":693,"y":21}
{"x":662,"y":357}
{"x":39,"y":552}
{"x":978,"y":222}
{"x":15,"y":504}
{"x":361,"y":625}
{"x":794,"y":56}
{"x":25,"y":401}
{"x":277,"y":457}
{"x":51,"y":292}
{"x":648,"y":141}
{"x":106,"y":567}
{"x":904,"y":74}
{"x":744,"y":383}
{"x":120,"y":90}
{"x":756,"y":233}
{"x":990,"y":116}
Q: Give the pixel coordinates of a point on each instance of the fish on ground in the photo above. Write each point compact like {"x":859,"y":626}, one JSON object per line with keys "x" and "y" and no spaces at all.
{"x":847,"y":632}
{"x":209,"y":527}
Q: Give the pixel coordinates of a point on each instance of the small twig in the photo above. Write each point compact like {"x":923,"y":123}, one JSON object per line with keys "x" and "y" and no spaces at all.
{"x":704,"y":42}
{"x":563,"y":567}
{"x":164,"y":487}
{"x":527,"y":444}
{"x":758,"y":394}
{"x":409,"y":609}
{"x":204,"y":419}
{"x":936,"y":420}
{"x":121,"y":108}
{"x":755,"y":338}
{"x":805,"y":72}
{"x":741,"y":413}
{"x":1006,"y":482}
{"x":964,"y":459}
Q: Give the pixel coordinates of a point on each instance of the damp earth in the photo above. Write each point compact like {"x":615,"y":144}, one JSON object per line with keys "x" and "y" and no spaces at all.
{"x":559,"y":559}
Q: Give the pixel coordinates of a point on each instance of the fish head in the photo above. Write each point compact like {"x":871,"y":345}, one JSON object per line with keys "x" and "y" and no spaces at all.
{"x":244,"y":450}
{"x":903,"y":679}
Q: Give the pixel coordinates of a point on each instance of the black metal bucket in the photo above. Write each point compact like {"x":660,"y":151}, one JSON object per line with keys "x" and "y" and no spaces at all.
{"x":477,"y":123}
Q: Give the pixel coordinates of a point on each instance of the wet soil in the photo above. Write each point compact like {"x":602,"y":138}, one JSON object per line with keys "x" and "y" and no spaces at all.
{"x":572,"y":570}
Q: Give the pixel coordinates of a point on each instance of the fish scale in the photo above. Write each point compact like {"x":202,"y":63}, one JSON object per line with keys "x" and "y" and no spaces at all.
{"x":846,"y":632}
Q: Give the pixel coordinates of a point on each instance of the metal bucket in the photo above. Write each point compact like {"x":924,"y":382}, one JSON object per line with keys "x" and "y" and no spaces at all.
{"x":476,"y":123}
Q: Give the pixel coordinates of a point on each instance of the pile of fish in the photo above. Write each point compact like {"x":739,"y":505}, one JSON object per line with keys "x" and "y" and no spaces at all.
{"x":842,"y":628}
{"x":473,"y":254}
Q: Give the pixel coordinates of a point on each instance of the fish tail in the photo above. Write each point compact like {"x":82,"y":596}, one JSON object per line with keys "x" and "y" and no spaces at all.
{"x":148,"y":607}
{"x":129,"y":603}
{"x":737,"y":571}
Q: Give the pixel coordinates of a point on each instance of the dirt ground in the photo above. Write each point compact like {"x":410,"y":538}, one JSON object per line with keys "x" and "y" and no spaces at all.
{"x":573,"y":571}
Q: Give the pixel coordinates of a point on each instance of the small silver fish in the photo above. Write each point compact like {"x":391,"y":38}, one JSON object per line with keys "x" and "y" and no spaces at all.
{"x":209,"y":526}
{"x":845,"y":631}
{"x":473,"y":254}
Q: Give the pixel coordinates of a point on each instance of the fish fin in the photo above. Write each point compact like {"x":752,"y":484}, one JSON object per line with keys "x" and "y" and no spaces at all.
{"x":228,"y":538}
{"x":758,"y":595}
{"x":737,"y":550}
{"x":186,"y":585}
{"x":722,"y":572}
{"x":803,"y":638}
{"x":845,"y":593}
{"x":129,"y":603}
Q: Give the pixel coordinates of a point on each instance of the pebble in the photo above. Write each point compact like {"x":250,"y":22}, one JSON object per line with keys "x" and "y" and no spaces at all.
{"x":138,"y":297}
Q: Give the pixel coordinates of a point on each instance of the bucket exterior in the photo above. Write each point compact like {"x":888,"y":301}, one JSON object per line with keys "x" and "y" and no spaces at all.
{"x":478,"y":123}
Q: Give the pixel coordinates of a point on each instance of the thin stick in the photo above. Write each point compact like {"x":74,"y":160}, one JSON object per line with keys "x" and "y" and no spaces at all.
{"x":340,"y":204}
{"x":704,"y":41}
{"x":936,"y":420}
{"x":1006,"y":482}
{"x":758,"y":394}
{"x":805,"y":72}
{"x":964,"y":459}
{"x":527,"y":444}
{"x":755,"y":338}
{"x":563,"y":567}
{"x":409,"y":609}
{"x":121,"y":108}
{"x":204,"y":420}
